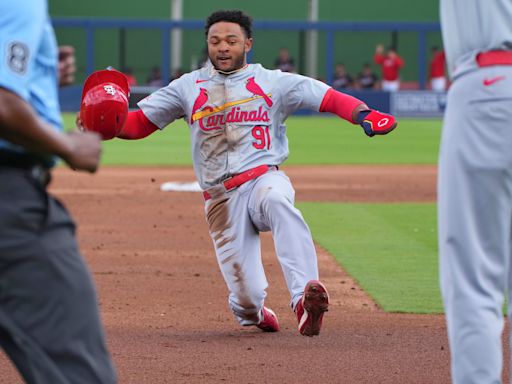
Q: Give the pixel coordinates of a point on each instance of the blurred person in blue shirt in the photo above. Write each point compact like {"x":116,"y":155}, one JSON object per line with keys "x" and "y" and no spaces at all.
{"x":49,"y":320}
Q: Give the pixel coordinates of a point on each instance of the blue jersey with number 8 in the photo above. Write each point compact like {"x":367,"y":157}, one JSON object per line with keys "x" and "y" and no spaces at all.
{"x":29,"y":58}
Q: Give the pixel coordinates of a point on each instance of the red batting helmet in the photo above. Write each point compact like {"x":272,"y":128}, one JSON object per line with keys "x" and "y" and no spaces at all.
{"x":104,"y":106}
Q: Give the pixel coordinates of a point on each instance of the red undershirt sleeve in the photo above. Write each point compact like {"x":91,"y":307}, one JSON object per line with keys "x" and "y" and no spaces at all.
{"x":340,"y":104}
{"x":137,"y":126}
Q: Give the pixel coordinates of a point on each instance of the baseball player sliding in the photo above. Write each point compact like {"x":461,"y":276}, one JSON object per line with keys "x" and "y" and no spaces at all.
{"x":236,"y":113}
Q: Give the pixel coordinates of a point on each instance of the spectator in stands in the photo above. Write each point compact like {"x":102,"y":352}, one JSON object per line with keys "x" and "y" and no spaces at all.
{"x":367,"y":79}
{"x":129,"y":75}
{"x":437,"y":70}
{"x":67,"y":65}
{"x":391,"y":64}
{"x":155,"y":77}
{"x":341,"y":79}
{"x":284,"y":61}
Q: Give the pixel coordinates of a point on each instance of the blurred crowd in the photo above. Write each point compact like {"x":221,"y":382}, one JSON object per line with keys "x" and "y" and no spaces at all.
{"x":390,"y":63}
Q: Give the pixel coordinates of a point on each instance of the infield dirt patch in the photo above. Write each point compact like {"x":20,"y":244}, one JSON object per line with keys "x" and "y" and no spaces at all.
{"x":164,"y":302}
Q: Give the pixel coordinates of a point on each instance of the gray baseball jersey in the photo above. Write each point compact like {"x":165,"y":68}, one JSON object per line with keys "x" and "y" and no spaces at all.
{"x":473,"y":26}
{"x":475,"y":187}
{"x":236,"y":121}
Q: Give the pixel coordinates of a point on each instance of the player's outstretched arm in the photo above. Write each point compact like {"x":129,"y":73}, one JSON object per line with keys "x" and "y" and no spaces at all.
{"x":357,"y":112}
{"x":20,"y":125}
{"x":137,"y":126}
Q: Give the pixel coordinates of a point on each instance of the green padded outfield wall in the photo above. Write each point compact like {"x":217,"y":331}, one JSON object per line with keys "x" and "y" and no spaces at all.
{"x":142,"y":50}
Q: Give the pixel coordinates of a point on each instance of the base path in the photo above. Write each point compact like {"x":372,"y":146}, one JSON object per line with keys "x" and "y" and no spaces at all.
{"x":164,"y":303}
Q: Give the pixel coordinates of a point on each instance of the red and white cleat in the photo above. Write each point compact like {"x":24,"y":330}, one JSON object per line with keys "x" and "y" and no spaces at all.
{"x":311,"y":307}
{"x":269,"y":322}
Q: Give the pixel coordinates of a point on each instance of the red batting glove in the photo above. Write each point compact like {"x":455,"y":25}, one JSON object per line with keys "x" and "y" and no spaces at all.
{"x":375,"y":122}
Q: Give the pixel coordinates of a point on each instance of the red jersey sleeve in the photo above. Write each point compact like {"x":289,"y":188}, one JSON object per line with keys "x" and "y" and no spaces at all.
{"x":137,"y":126}
{"x":340,"y":104}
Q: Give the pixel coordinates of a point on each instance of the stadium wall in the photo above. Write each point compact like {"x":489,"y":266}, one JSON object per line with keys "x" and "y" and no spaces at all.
{"x":142,"y":47}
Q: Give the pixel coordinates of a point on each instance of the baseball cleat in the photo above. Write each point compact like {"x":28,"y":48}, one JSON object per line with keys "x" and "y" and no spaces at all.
{"x":269,"y":322}
{"x":311,"y":307}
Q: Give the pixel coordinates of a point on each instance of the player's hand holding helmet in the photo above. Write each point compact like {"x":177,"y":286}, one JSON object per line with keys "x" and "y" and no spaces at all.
{"x":375,"y":122}
{"x":104,"y":105}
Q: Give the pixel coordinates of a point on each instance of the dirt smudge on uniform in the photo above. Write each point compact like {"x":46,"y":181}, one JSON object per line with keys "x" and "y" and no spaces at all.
{"x":234,"y":135}
{"x":223,"y":242}
{"x":218,"y":215}
{"x":219,"y":222}
{"x":243,"y":298}
{"x":214,"y":152}
{"x":214,"y":143}
{"x":228,"y":259}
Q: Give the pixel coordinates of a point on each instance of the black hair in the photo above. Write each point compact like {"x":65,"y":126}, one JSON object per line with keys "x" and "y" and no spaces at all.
{"x":231,"y":16}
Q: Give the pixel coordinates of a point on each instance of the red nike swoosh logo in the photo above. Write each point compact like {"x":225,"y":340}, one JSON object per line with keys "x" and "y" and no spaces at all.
{"x":201,"y":81}
{"x":488,"y":82}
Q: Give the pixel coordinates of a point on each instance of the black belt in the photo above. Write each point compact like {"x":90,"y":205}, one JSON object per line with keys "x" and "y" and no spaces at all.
{"x":37,"y":166}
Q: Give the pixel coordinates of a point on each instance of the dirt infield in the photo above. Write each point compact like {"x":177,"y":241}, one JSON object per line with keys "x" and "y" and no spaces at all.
{"x":163,"y":300}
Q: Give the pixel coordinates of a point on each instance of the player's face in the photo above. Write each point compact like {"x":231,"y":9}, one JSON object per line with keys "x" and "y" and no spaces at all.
{"x":227,"y":46}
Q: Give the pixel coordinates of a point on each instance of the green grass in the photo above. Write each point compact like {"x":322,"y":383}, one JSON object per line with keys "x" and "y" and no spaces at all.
{"x":390,"y":250}
{"x":313,"y":140}
{"x":330,"y":140}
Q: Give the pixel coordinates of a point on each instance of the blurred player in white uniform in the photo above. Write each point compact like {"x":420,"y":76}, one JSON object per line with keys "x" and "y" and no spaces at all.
{"x":236,"y":113}
{"x":475,"y":185}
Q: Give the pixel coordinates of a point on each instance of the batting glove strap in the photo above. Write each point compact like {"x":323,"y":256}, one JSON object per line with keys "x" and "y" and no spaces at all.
{"x":375,"y":122}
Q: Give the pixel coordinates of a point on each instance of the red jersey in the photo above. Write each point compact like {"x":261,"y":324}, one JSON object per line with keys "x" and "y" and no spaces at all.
{"x":390,"y":66}
{"x":437,"y":65}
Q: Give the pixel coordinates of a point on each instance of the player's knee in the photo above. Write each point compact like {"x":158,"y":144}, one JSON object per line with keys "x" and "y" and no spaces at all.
{"x":275,"y":198}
